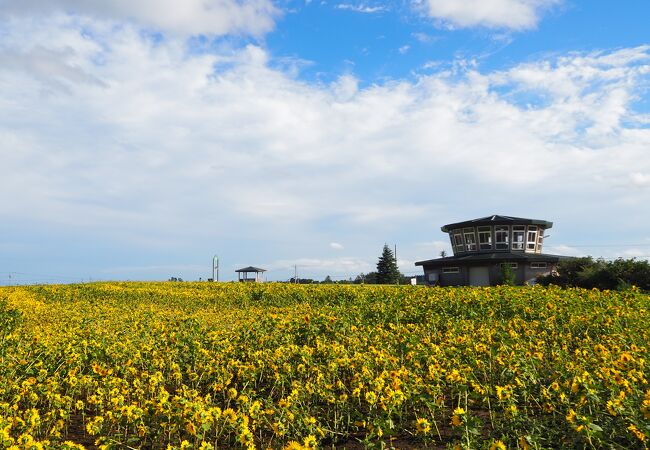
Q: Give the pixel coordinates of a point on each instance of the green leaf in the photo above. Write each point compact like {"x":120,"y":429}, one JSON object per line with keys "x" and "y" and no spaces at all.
{"x":594,"y":427}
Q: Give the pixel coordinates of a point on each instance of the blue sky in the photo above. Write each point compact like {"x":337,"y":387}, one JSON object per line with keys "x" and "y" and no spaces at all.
{"x":140,"y":138}
{"x":398,"y":40}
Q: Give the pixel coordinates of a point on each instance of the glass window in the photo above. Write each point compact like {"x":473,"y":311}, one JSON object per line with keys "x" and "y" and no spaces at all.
{"x":512,"y":265}
{"x":470,"y":239}
{"x":450,"y":270}
{"x":501,"y":233}
{"x":540,"y":240}
{"x":531,"y":239}
{"x":485,"y":238}
{"x":538,"y":265}
{"x":518,"y":232}
{"x":458,"y":241}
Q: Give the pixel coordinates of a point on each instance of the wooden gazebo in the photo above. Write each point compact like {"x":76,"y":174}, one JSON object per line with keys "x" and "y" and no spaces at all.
{"x":242,"y":274}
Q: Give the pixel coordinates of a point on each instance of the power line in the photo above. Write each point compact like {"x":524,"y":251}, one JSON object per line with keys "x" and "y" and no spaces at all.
{"x":40,"y":275}
{"x":608,"y":245}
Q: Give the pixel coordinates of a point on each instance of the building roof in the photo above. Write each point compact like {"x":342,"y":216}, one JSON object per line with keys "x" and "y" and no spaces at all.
{"x":251,"y":269}
{"x":496,"y":220}
{"x":465,"y":260}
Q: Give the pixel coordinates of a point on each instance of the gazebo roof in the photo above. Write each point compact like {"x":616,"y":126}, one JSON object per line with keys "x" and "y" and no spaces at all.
{"x":251,"y":269}
{"x":497,"y":220}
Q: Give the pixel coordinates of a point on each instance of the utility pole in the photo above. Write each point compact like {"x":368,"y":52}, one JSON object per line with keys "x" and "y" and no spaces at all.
{"x":215,"y":268}
{"x":398,"y":272}
{"x":295,"y":273}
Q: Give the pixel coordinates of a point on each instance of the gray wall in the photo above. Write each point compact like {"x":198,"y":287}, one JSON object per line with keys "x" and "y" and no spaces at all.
{"x":523,"y":273}
{"x":447,"y":279}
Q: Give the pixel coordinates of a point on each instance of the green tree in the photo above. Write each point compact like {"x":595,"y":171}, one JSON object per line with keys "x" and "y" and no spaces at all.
{"x":367,"y":278}
{"x":387,"y":271}
{"x":508,"y":277}
{"x":589,"y":273}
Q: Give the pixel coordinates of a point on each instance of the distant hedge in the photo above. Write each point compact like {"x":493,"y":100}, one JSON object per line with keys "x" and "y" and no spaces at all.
{"x":592,"y":273}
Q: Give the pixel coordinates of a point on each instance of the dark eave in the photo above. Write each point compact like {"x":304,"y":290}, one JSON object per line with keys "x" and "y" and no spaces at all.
{"x":496,"y":257}
{"x":250,"y":269}
{"x":497,"y":220}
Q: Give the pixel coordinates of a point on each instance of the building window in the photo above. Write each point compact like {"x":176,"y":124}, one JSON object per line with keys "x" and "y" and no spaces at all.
{"x":538,"y":265}
{"x":470,"y":239}
{"x":512,"y":265}
{"x":501,"y":237}
{"x":450,"y":270}
{"x":485,"y":238}
{"x":458,"y":241}
{"x":531,"y":240}
{"x":540,"y":240}
{"x":518,"y":232}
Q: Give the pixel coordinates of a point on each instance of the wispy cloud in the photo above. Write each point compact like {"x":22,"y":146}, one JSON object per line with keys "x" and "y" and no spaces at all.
{"x":641,"y":180}
{"x":638,"y":253}
{"x":191,"y":17}
{"x":425,"y":37}
{"x":362,"y":8}
{"x":173,"y":269}
{"x":565,"y":250}
{"x":321,"y":266}
{"x":434,"y":248}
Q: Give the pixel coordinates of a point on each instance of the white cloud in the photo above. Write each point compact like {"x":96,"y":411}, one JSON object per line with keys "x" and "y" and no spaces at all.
{"x":425,"y":38}
{"x":640,"y":179}
{"x":608,"y":252}
{"x":511,"y":14}
{"x":361,"y":8}
{"x":434,"y":248}
{"x":188,"y":17}
{"x":107,"y":129}
{"x":364,"y":214}
{"x":309,"y":266}
{"x":345,"y":87}
{"x":173,"y":269}
{"x":404,"y":49}
{"x":336,"y":246}
{"x":638,"y":253}
{"x":564,"y":250}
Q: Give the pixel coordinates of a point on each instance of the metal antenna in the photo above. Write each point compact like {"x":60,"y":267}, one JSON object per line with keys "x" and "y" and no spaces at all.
{"x":399,"y":273}
{"x":215,"y":268}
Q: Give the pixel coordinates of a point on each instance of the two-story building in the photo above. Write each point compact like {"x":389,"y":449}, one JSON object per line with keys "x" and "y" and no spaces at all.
{"x":483,"y":246}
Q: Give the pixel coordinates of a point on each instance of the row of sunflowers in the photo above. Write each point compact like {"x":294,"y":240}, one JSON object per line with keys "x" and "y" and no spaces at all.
{"x":227,"y":365}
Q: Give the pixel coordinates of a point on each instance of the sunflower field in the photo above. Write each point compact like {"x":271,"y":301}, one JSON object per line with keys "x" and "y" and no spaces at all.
{"x":227,"y":365}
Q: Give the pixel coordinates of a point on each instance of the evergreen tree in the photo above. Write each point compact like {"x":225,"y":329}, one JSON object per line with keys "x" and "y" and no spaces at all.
{"x":387,"y":271}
